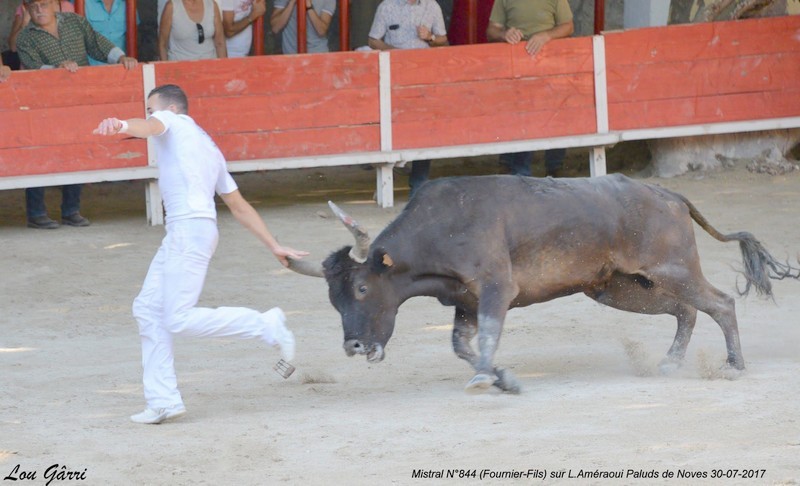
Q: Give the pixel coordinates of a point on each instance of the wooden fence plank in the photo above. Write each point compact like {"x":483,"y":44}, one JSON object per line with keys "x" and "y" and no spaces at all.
{"x":100,"y":155}
{"x":704,"y":110}
{"x":450,"y":65}
{"x":499,"y":127}
{"x":299,"y":143}
{"x":53,"y":88}
{"x":283,"y":111}
{"x":267,"y":75}
{"x":567,"y":56}
{"x":705,"y":77}
{"x":469,"y":99}
{"x":710,"y":40}
{"x":60,"y":126}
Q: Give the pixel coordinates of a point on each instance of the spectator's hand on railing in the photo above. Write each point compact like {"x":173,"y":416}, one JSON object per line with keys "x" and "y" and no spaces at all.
{"x":128,"y":62}
{"x":536,"y":42}
{"x":109,"y":126}
{"x":5,"y":72}
{"x":512,"y":35}
{"x":70,"y":66}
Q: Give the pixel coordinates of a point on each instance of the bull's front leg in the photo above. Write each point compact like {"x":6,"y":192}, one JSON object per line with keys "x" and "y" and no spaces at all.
{"x":493,"y":305}
{"x":465,"y":327}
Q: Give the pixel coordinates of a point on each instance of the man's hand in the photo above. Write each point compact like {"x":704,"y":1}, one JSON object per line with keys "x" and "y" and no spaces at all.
{"x":109,"y":126}
{"x":282,"y":253}
{"x":128,"y":62}
{"x":259,"y":9}
{"x":5,"y":72}
{"x":70,"y":66}
{"x":536,"y":42}
{"x":512,"y":35}
{"x":424,"y":33}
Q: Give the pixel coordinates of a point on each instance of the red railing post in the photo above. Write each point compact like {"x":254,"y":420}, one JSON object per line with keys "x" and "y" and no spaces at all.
{"x":258,"y":37}
{"x":130,"y":31}
{"x":472,"y":21}
{"x":344,"y":25}
{"x":599,"y":16}
{"x":301,"y":26}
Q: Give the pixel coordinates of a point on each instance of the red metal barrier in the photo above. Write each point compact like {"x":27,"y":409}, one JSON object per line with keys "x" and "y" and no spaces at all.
{"x":599,"y":16}
{"x":472,"y":21}
{"x":131,"y":31}
{"x":344,"y":25}
{"x":302,"y":37}
{"x":258,"y":36}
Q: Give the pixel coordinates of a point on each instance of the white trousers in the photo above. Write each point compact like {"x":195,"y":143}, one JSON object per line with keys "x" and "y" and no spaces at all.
{"x":166,"y":307}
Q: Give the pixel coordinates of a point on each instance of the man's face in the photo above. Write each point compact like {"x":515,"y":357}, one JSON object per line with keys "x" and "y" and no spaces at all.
{"x":42,"y":12}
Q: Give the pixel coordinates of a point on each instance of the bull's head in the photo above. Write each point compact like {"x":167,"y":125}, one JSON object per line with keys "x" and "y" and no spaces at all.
{"x":359,"y":288}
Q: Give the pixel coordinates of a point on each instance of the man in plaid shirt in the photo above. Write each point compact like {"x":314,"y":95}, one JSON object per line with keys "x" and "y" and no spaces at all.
{"x":61,"y":40}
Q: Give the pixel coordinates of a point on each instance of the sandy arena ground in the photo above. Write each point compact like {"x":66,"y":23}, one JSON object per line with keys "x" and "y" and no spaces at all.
{"x":592,"y":399}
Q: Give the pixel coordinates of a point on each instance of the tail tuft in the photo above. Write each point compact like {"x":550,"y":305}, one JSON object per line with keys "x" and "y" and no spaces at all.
{"x":760,"y":266}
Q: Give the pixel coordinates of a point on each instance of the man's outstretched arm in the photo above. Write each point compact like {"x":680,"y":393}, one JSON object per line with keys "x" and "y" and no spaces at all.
{"x":137,"y":127}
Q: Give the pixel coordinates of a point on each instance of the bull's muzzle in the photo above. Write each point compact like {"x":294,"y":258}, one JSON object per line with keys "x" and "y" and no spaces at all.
{"x":373,"y":351}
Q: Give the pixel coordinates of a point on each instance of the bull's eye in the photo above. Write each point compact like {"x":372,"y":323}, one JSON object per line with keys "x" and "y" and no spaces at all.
{"x":362,"y":289}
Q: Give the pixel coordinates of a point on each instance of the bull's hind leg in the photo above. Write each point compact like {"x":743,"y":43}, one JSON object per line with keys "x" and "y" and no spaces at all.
{"x":464,"y":330}
{"x":689,"y":286}
{"x":635,"y":293}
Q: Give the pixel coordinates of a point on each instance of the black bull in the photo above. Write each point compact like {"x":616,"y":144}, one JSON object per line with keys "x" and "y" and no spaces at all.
{"x":488,"y":244}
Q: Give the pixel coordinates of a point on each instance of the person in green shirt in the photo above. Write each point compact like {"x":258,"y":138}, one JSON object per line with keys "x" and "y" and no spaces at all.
{"x":536,"y":22}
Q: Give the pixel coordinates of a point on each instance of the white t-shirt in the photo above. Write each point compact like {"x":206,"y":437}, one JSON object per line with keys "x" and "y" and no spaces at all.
{"x":239,"y":45}
{"x":191,"y":168}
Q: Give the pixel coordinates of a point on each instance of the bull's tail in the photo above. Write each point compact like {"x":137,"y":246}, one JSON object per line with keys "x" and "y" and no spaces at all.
{"x":759,"y":265}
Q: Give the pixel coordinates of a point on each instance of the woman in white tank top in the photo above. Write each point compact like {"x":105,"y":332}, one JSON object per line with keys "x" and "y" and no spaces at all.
{"x":181,"y":37}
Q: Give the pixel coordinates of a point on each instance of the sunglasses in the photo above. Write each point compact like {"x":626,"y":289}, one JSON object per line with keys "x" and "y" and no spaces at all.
{"x":201,"y":35}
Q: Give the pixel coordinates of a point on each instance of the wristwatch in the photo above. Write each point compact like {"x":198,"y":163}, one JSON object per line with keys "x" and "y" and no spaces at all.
{"x":432,"y":39}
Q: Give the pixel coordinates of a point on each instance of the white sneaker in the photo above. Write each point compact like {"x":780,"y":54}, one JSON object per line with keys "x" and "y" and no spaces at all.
{"x":281,"y":336}
{"x":158,"y":415}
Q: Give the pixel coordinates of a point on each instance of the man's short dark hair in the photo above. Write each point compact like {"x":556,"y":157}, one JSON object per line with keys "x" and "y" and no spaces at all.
{"x":173,"y":95}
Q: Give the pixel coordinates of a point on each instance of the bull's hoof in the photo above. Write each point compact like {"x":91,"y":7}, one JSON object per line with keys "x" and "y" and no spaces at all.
{"x":479,"y":383}
{"x":729,"y":372}
{"x":669,"y":366}
{"x":506,"y":381}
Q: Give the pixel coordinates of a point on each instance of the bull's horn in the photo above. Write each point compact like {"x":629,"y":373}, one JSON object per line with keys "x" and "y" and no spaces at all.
{"x":360,"y":251}
{"x":305,"y":267}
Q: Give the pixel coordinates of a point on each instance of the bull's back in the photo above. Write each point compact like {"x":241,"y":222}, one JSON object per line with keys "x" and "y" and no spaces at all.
{"x":558,"y":235}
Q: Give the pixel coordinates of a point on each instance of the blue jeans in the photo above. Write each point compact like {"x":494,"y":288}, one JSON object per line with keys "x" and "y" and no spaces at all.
{"x":70,"y":201}
{"x":520,"y":163}
{"x":418,"y":176}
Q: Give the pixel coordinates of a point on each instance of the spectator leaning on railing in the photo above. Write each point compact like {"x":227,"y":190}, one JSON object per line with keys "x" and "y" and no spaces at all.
{"x":536,"y":22}
{"x":21,"y":19}
{"x":61,"y":40}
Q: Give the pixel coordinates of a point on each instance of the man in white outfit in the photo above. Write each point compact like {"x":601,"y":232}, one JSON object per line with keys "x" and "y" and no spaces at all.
{"x":191,"y":169}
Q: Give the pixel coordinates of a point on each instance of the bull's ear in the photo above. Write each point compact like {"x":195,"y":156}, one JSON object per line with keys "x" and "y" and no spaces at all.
{"x":381,"y":261}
